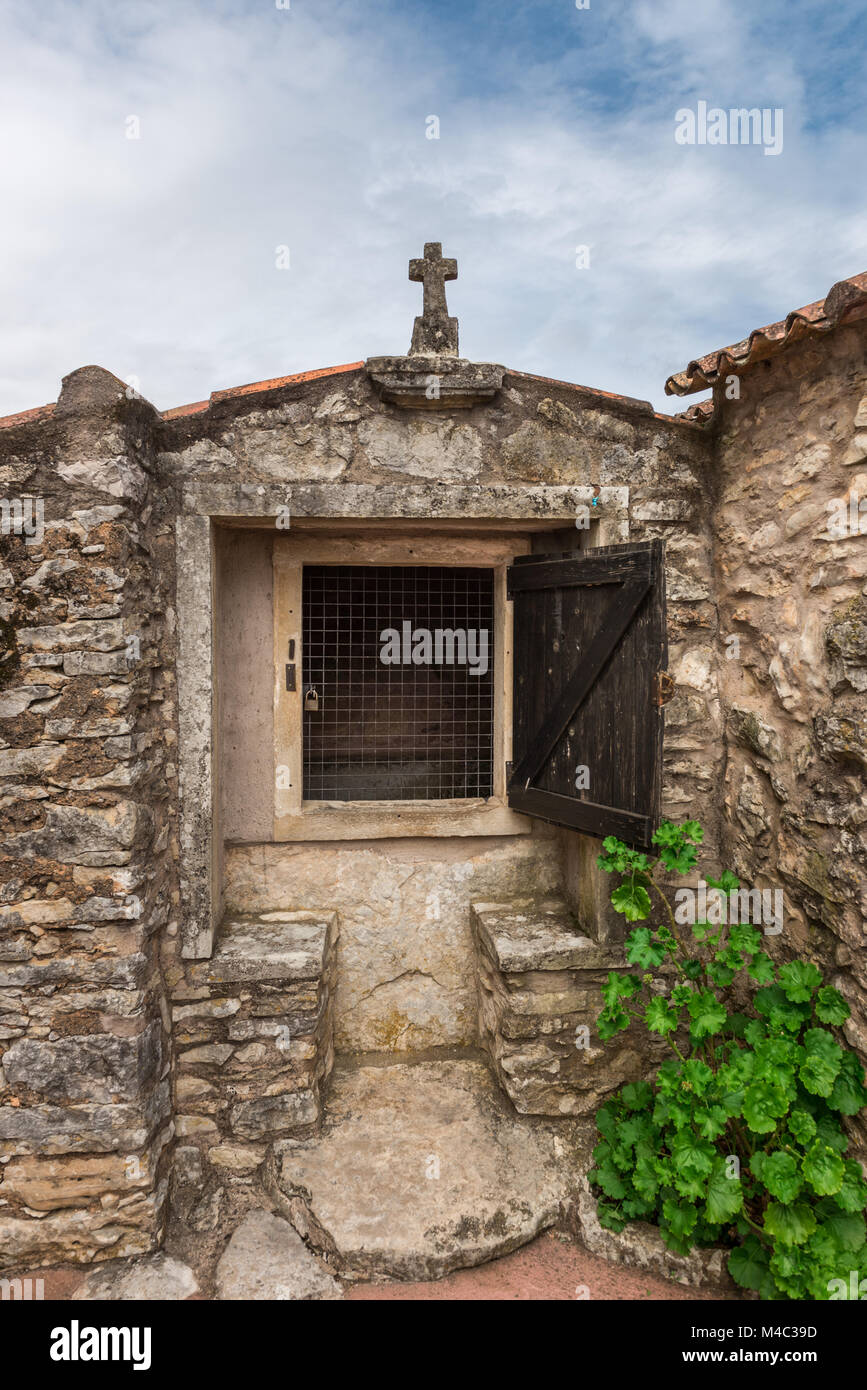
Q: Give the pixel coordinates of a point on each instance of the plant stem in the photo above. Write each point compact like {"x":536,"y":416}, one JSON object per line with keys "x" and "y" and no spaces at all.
{"x":671,"y":922}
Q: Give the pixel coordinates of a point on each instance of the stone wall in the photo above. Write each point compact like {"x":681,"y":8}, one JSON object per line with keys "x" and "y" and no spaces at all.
{"x":793,"y":591}
{"x":93,"y":840}
{"x":87,"y":770}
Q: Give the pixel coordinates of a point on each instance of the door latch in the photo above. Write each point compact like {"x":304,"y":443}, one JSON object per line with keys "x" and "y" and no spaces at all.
{"x":311,"y":699}
{"x":664,"y":688}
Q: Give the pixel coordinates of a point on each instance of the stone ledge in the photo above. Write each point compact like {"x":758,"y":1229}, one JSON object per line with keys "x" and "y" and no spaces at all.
{"x":286,"y":946}
{"x":406,"y":381}
{"x":640,"y":1246}
{"x":529,"y":934}
{"x":430,"y":501}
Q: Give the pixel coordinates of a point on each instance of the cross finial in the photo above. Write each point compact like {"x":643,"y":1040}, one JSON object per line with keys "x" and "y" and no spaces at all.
{"x":434,"y":332}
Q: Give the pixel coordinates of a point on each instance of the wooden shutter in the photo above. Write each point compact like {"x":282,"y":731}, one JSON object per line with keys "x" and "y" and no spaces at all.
{"x":589,"y":646}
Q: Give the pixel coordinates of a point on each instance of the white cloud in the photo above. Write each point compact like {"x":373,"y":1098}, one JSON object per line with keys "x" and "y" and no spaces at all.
{"x":260,"y":127}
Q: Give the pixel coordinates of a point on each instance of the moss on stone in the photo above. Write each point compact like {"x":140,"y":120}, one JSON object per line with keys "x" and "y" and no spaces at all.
{"x":389,"y":1030}
{"x":846,"y":634}
{"x":9,"y":658}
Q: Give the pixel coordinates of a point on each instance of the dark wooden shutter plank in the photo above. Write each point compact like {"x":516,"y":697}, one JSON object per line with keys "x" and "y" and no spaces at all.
{"x":564,"y":607}
{"x":580,"y":815}
{"x":587,"y":740}
{"x":528,"y":648}
{"x":617,"y":618}
{"x":572,"y":570}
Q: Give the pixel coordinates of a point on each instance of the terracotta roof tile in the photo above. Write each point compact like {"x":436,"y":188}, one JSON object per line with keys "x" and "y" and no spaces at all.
{"x":271,"y":385}
{"x":195,"y":409}
{"x":24,"y":417}
{"x":644,"y":406}
{"x":844,"y":302}
{"x":255,"y":388}
{"x":698,"y":413}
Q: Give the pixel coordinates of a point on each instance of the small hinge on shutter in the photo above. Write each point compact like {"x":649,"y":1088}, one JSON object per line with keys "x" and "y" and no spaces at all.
{"x":664,"y":688}
{"x":508,"y":774}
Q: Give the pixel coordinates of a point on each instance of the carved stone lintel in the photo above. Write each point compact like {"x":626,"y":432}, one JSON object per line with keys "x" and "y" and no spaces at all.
{"x":435,"y":382}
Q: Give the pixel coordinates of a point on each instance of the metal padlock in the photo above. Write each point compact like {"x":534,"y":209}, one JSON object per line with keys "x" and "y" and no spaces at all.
{"x":311,"y":699}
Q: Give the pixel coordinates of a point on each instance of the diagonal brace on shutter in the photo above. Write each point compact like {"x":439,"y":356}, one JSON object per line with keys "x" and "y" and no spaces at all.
{"x":619,"y":615}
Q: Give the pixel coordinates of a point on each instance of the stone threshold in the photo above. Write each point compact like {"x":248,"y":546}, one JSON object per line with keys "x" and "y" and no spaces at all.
{"x":421,"y":1168}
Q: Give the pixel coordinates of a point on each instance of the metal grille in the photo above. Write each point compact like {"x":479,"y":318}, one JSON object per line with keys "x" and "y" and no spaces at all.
{"x":406,"y":730}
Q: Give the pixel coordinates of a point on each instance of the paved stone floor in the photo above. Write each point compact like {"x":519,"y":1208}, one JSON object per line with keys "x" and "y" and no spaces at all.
{"x":546,"y":1269}
{"x":424,"y":1183}
{"x":423,"y":1169}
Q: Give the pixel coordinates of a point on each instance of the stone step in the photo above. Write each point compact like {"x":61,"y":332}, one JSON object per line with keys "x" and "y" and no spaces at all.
{"x":539,"y":998}
{"x":422,"y":1168}
{"x":278,"y":946}
{"x":253,"y":1030}
{"x":539,"y":934}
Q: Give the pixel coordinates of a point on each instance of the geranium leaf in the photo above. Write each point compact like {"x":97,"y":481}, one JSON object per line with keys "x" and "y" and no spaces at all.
{"x":823,"y":1168}
{"x":802,"y":1125}
{"x":633,"y":901}
{"x":790,"y":1224}
{"x":707,"y":1013}
{"x":831,"y":1007}
{"x":637,"y":1095}
{"x":725,"y":1196}
{"x":642,"y":949}
{"x":780,"y":1174}
{"x":748,"y":1264}
{"x":798,"y":979}
{"x":761,"y":968}
{"x":660,"y":1017}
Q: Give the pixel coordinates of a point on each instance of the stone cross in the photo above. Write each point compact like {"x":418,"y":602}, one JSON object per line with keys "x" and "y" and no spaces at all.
{"x":434,"y":332}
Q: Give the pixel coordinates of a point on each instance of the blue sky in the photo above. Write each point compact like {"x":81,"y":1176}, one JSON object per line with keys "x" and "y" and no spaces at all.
{"x":262,"y":127}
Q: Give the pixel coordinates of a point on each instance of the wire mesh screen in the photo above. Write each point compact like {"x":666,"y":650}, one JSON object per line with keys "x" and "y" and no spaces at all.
{"x":401,"y":663}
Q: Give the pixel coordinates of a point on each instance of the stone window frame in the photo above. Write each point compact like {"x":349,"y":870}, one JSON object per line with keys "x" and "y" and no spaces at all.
{"x":299,"y":819}
{"x":525,"y":507}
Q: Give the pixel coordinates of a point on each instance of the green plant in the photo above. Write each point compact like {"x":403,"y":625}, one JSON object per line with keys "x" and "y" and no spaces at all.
{"x":738,"y":1139}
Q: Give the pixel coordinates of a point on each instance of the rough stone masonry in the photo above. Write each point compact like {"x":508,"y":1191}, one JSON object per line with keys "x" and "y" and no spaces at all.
{"x":175,"y":976}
